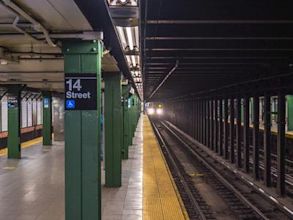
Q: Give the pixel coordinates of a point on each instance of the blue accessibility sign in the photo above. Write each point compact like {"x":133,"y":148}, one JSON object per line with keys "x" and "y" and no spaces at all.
{"x":70,"y":104}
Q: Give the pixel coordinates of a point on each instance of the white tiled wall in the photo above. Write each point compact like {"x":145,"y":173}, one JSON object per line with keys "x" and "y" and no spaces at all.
{"x":31,"y":113}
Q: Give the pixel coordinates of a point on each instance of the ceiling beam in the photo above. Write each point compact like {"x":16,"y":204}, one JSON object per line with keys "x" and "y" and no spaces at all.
{"x":98,"y":15}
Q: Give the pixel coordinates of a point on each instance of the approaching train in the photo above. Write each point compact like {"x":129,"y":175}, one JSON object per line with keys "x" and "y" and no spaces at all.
{"x":154,"y":109}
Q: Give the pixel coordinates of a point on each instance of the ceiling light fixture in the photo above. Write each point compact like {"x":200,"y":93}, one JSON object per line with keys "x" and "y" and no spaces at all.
{"x":122,"y":36}
{"x":133,"y":60}
{"x":123,"y":2}
{"x":3,"y":62}
{"x":136,"y":36}
{"x":129,"y":37}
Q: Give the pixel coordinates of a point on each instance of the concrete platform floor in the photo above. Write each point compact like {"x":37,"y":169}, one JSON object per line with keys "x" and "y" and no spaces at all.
{"x":33,"y":188}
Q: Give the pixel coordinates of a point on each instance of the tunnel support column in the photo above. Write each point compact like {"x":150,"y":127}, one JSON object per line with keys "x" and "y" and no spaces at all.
{"x":226,"y":128}
{"x":82,"y":66}
{"x":256,"y":137}
{"x":47,"y":118}
{"x":267,"y":140}
{"x":199,"y":120}
{"x":208,"y":107}
{"x":113,"y":129}
{"x":201,"y":133}
{"x":232,"y":126}
{"x":211,"y":125}
{"x":246,"y":133}
{"x":238,"y":132}
{"x":14,"y":132}
{"x":193,"y":123}
{"x":281,"y":144}
{"x":221,"y":127}
{"x":216,"y":146}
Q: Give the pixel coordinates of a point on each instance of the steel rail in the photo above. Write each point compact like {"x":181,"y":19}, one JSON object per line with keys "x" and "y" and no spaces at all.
{"x":228,"y":166}
{"x":179,"y":173}
{"x":219,"y":176}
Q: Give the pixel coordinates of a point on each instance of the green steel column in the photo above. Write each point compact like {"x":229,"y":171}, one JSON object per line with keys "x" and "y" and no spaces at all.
{"x":290,"y":112}
{"x":14,"y":102}
{"x":132,"y":117}
{"x":113,"y":129}
{"x":125,"y":92}
{"x":47,"y":118}
{"x":129,"y":121}
{"x":1,"y":113}
{"x":82,"y":128}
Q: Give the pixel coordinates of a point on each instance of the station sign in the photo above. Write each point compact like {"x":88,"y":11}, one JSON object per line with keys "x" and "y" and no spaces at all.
{"x":12,"y":102}
{"x":80,"y":91}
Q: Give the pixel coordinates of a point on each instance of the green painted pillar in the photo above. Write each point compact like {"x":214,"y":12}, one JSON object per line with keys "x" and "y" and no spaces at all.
{"x":290,"y":112}
{"x":129,"y":103}
{"x":1,"y":113}
{"x":14,"y":133}
{"x":82,"y":133}
{"x":113,"y":129}
{"x":125,"y":93}
{"x":47,"y":118}
{"x":131,"y":118}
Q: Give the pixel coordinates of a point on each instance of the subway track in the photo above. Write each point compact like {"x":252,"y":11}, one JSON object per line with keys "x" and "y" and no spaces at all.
{"x":202,"y":179}
{"x":289,"y":168}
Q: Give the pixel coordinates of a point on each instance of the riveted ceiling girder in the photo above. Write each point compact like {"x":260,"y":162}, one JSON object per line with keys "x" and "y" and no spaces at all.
{"x":99,"y":17}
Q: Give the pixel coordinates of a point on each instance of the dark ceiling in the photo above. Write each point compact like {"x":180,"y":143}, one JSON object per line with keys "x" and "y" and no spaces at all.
{"x":215,"y":42}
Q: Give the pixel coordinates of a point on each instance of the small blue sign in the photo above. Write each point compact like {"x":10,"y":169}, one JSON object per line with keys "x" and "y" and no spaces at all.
{"x":46,"y":102}
{"x":70,"y":104}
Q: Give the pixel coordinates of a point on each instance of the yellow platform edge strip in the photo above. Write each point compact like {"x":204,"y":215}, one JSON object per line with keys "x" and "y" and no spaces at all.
{"x":26,"y":144}
{"x":174,"y":187}
{"x":174,"y":184}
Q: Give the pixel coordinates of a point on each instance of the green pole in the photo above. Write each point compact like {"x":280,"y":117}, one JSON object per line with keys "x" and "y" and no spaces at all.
{"x":129,"y":107}
{"x":290,"y":112}
{"x":14,"y":133}
{"x":47,"y":118}
{"x":134,"y":114}
{"x":82,"y":128}
{"x":125,"y":92}
{"x":131,"y":117}
{"x":113,"y":129}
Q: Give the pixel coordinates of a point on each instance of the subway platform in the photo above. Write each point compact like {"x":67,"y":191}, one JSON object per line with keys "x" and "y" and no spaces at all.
{"x":33,"y":188}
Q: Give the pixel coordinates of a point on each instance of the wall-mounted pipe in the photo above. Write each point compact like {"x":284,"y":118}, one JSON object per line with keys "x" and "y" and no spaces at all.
{"x":37,"y":25}
{"x":2,"y":95}
{"x":164,"y":80}
{"x":14,"y":25}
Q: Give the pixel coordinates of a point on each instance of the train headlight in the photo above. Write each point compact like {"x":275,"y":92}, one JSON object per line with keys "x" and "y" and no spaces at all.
{"x":159,"y":111}
{"x":151,"y":111}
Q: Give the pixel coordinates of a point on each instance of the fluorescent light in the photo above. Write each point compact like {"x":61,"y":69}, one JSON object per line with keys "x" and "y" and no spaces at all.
{"x":122,"y":36}
{"x":133,"y":60}
{"x":133,"y":2}
{"x":129,"y":37}
{"x":136,"y":36}
{"x":128,"y":60}
{"x":3,"y":62}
